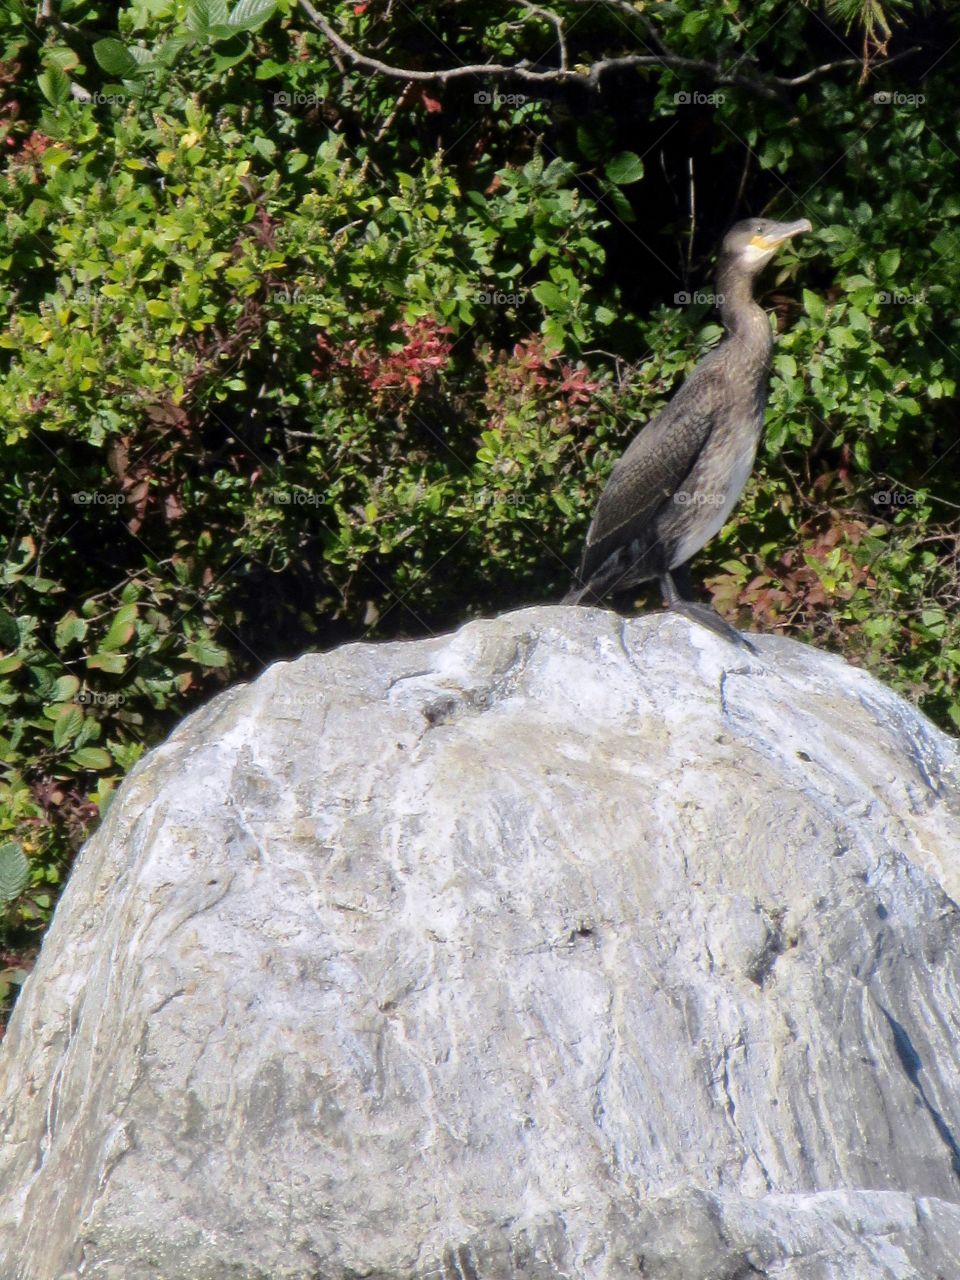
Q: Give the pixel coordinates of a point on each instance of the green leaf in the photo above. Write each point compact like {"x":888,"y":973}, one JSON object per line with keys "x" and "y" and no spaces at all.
{"x":14,"y":871}
{"x":625,"y":168}
{"x":206,"y":14}
{"x":265,"y":147}
{"x":548,"y":295}
{"x":620,"y":205}
{"x":61,"y":56}
{"x":92,"y":758}
{"x":29,"y":549}
{"x":115,"y":58}
{"x":694,"y":22}
{"x":121,"y":627}
{"x":160,"y":309}
{"x":54,"y":85}
{"x":113,"y":663}
{"x":247,"y":15}
{"x":9,"y":630}
{"x":169,"y":52}
{"x":206,"y":653}
{"x":126,"y":754}
{"x":65,"y":688}
{"x":813,"y":305}
{"x":588,"y":144}
{"x":235,"y":52}
{"x":69,"y":629}
{"x":67,"y":725}
{"x":557,"y":172}
{"x":43,"y":680}
{"x":888,"y":262}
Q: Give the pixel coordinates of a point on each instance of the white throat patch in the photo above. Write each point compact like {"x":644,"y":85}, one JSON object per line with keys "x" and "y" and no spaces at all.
{"x":753,"y":253}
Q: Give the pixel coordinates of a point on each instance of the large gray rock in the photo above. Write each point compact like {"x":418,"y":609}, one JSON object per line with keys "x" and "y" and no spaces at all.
{"x":563,"y":946}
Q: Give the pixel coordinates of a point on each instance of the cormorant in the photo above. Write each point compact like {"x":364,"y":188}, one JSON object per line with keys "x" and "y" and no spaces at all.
{"x":680,"y":478}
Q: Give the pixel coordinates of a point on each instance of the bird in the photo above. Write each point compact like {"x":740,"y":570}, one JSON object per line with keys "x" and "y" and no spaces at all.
{"x":680,"y":478}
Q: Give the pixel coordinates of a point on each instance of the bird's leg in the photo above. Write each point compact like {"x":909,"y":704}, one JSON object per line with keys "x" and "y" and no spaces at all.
{"x":705,"y":614}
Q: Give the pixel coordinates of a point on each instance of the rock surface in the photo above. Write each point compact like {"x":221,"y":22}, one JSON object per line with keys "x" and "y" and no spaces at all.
{"x":560,"y":947}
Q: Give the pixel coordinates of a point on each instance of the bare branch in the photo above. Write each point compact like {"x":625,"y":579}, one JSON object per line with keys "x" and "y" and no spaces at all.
{"x":556,"y":22}
{"x":792,"y":82}
{"x":521,"y":70}
{"x":766,"y":86}
{"x":693,"y":216}
{"x":818,"y":71}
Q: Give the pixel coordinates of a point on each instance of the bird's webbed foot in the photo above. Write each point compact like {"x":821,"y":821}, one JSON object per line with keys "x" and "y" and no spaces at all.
{"x":704,"y":614}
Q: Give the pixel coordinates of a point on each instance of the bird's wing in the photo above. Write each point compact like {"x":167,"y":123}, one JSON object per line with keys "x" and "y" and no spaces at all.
{"x":653,"y":468}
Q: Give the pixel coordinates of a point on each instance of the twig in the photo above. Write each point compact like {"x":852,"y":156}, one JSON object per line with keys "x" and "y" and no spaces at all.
{"x":381,"y":134}
{"x":743,"y":181}
{"x":693,"y":216}
{"x":627,"y":9}
{"x":557,"y":22}
{"x":789,"y":82}
{"x":792,"y":83}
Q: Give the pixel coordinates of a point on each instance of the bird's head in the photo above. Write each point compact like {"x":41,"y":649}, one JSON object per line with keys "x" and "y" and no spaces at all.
{"x":751,"y":244}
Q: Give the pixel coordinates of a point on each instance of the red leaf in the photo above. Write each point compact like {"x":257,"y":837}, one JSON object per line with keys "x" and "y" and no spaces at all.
{"x":432,"y":104}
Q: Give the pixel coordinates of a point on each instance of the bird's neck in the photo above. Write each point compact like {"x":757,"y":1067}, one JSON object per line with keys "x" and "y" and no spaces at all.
{"x":745,"y":320}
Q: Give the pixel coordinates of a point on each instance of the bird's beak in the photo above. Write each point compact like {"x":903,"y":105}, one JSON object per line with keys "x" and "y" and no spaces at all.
{"x":766,"y":244}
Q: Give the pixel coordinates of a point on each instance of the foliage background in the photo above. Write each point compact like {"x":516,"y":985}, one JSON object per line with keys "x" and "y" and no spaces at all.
{"x":292,"y":353}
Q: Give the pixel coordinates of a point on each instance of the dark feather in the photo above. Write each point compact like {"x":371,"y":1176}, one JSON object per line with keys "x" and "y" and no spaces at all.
{"x":652,"y":470}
